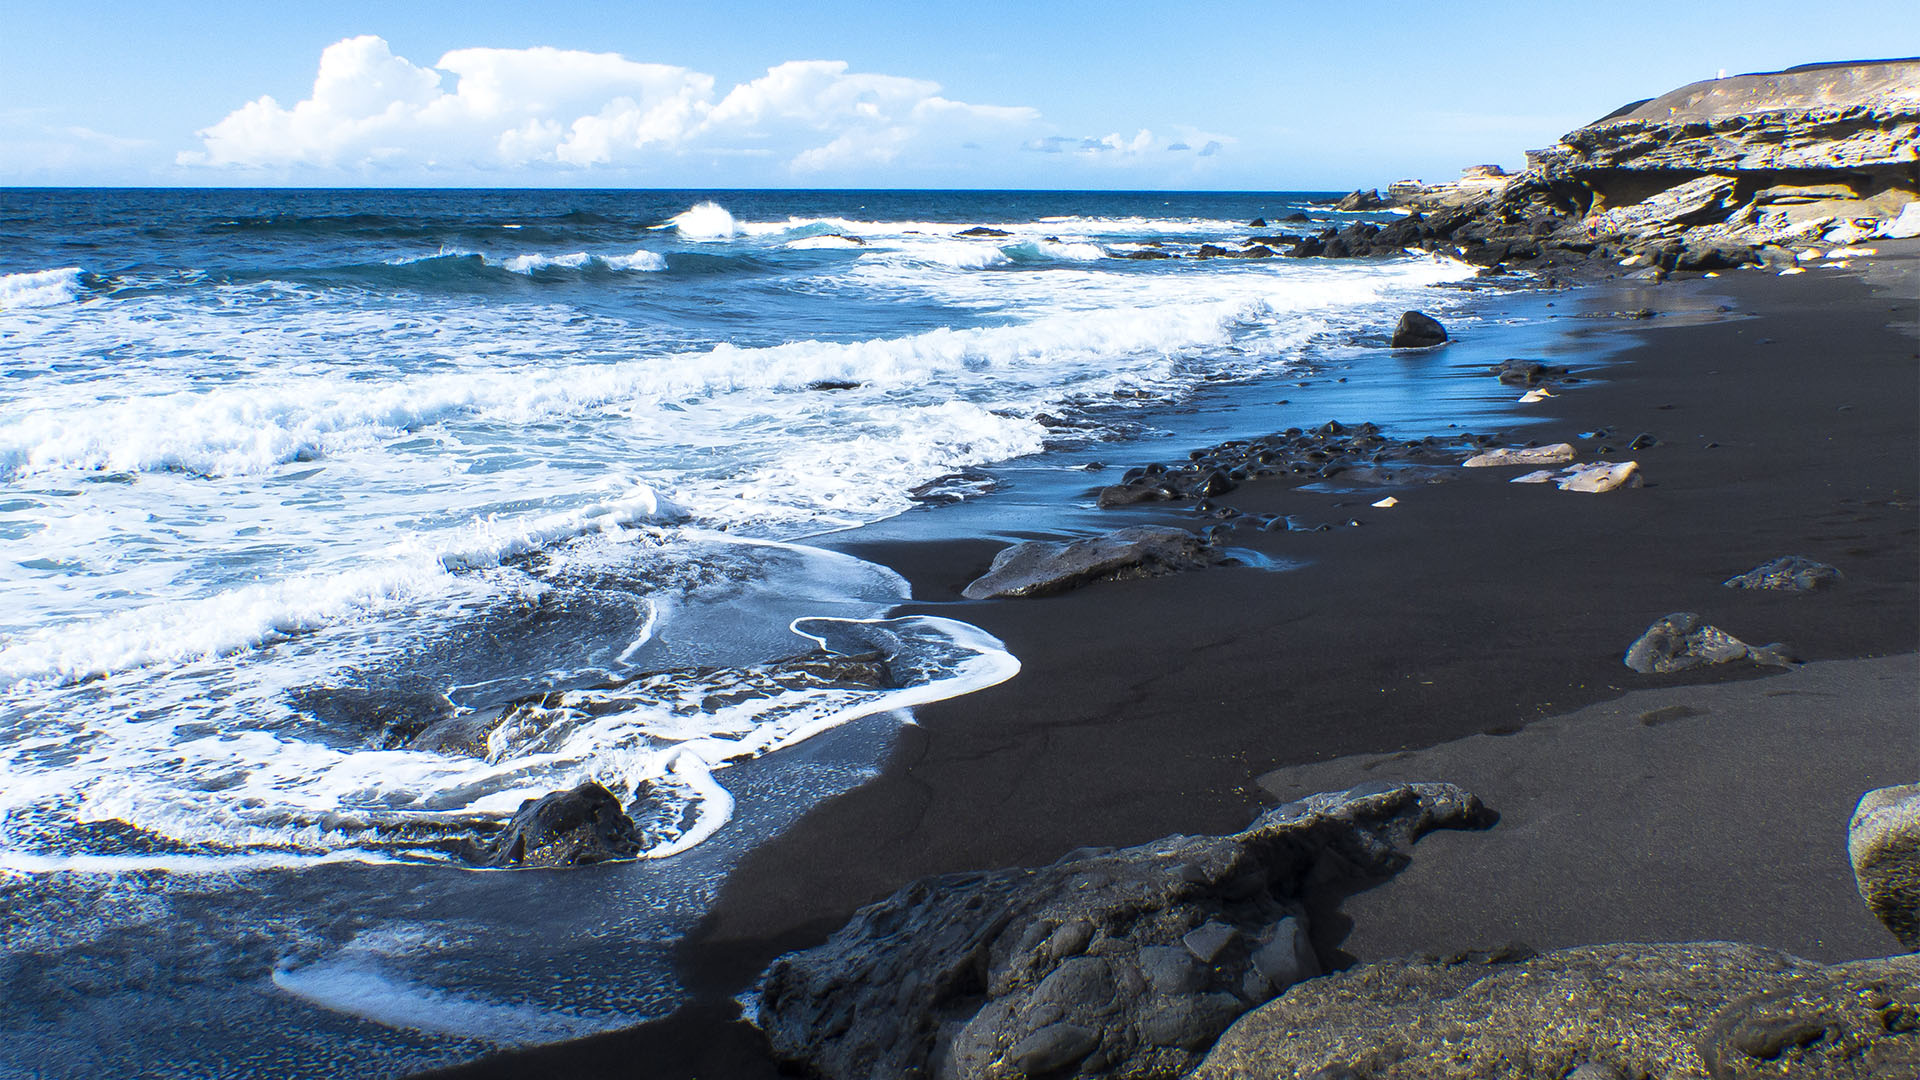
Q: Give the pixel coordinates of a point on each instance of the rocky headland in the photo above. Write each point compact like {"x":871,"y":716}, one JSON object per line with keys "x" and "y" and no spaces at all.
{"x":1751,"y":169}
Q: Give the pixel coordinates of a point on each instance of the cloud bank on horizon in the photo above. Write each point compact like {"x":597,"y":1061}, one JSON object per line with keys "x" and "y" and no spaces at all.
{"x":547,"y":110}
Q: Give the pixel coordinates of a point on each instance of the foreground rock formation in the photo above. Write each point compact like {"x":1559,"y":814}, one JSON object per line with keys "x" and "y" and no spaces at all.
{"x":1605,"y":1012}
{"x":1122,"y":963}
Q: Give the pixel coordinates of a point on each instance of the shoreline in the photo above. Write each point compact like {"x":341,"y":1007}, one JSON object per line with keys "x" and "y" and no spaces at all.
{"x":1472,"y":608}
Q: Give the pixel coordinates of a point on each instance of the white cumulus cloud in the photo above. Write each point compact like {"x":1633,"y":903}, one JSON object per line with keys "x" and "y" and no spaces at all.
{"x":542,"y":107}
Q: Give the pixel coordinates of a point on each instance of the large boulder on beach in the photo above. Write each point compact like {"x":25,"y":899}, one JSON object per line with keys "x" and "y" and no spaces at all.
{"x":1042,"y":567}
{"x":567,"y":828}
{"x":1788,"y":573}
{"x":1113,"y":963}
{"x":1703,"y":1009}
{"x":1418,"y":330}
{"x":1683,"y":641}
{"x":1884,"y":842}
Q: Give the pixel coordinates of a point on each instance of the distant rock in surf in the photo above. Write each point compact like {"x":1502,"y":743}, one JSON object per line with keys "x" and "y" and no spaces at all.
{"x":567,"y":828}
{"x":983,"y":230}
{"x":1418,"y":330}
{"x":1361,"y":200}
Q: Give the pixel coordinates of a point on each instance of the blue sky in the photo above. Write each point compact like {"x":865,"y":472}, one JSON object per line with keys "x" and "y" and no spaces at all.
{"x":1116,"y":94}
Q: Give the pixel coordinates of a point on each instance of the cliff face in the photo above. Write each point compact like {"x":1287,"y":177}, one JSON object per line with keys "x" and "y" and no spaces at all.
{"x":1824,"y":153}
{"x":1851,"y":131}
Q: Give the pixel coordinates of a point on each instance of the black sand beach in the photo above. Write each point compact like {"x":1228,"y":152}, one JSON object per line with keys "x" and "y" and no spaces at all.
{"x":1455,"y":636}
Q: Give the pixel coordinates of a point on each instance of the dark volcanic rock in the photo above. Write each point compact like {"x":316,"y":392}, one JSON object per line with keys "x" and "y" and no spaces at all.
{"x":1041,"y":567}
{"x":1528,"y":373}
{"x":1791,"y":573}
{"x":1358,"y":454}
{"x":1361,"y":200}
{"x":567,"y":828}
{"x":1418,"y":330}
{"x":1683,"y":641}
{"x":386,"y":713}
{"x":983,"y":230}
{"x":1119,"y":963}
{"x":1883,"y":841}
{"x":461,"y":736}
{"x":1706,"y":1009}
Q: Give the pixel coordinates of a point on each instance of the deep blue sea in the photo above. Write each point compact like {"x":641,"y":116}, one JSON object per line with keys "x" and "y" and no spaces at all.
{"x":286,"y":474}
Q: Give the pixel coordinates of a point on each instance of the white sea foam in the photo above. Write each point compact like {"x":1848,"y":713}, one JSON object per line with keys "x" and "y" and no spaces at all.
{"x":706,"y":221}
{"x":192,"y":778}
{"x":41,"y":288}
{"x":252,"y":429}
{"x":642,"y":260}
{"x":408,"y":572}
{"x":359,"y":980}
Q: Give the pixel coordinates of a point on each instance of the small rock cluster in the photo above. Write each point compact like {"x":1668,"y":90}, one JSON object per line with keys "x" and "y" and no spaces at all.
{"x":1114,"y":963}
{"x":1788,"y":573}
{"x":1357,"y":452}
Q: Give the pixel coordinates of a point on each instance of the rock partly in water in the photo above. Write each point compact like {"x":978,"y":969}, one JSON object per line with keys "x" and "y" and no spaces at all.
{"x":1418,"y":330}
{"x":1358,"y":453}
{"x":1554,"y":454}
{"x":1683,"y":641}
{"x":1707,"y":1009}
{"x":1113,"y":963}
{"x":567,"y":828}
{"x":1042,"y":567}
{"x":1884,"y":843}
{"x":1528,"y":373}
{"x":465,"y":735}
{"x":1361,"y":200}
{"x":1788,"y":573}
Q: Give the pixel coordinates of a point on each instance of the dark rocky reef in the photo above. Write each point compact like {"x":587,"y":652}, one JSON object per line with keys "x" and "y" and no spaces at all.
{"x":1116,"y":963}
{"x":1601,"y":1012}
{"x":1359,"y":452}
